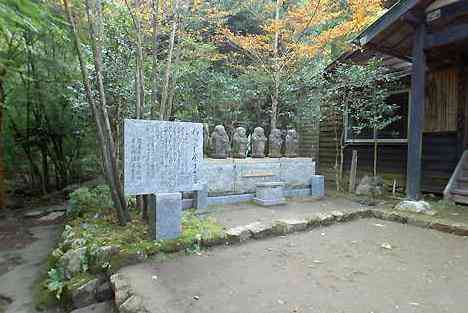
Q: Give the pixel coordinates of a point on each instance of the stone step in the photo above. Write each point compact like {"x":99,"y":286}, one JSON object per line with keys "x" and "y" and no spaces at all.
{"x":460,"y":199}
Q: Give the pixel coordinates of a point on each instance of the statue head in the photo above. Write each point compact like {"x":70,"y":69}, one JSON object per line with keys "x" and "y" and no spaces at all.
{"x":292,"y":133}
{"x":258,"y":131}
{"x":240,"y":131}
{"x":219,"y":130}
{"x":275,"y":133}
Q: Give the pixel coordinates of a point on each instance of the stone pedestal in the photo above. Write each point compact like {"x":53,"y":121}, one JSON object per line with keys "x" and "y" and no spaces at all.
{"x":166,"y":215}
{"x":317,"y":183}
{"x":201,"y":198}
{"x":269,"y":194}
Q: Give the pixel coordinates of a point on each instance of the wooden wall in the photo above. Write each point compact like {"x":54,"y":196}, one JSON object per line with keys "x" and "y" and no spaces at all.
{"x":440,"y":140}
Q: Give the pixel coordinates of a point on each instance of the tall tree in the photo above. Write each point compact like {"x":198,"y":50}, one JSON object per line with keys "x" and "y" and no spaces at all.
{"x":99,"y":111}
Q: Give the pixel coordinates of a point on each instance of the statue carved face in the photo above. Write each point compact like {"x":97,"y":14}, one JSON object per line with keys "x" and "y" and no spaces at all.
{"x":276,"y":133}
{"x":258,"y":131}
{"x":292,"y":133}
{"x":240,"y":131}
{"x":219,"y":129}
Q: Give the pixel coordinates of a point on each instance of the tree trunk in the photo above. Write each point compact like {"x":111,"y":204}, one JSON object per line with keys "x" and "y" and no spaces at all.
{"x":154,"y":74}
{"x":274,"y":98}
{"x":163,"y":111}
{"x":2,"y":171}
{"x":375,"y":152}
{"x":100,"y":116}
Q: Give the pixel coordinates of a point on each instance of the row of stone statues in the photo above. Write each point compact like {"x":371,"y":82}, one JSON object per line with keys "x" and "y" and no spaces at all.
{"x":221,"y":146}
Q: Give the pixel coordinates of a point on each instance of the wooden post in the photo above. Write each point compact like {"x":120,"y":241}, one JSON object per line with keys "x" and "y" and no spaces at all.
{"x":418,"y":95}
{"x":352,"y":172}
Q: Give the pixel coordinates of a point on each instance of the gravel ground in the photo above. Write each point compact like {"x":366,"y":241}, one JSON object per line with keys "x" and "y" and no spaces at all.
{"x":358,"y":267}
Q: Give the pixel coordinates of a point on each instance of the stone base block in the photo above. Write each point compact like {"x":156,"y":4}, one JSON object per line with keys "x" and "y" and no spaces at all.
{"x":269,"y":194}
{"x":201,"y":198}
{"x":166,"y":215}
{"x":317,"y":183}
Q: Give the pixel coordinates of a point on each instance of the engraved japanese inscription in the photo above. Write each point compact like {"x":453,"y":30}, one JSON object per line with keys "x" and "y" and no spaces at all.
{"x":162,"y":156}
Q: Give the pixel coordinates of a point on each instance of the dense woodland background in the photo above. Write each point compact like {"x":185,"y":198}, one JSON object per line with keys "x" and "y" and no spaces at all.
{"x":232,"y":62}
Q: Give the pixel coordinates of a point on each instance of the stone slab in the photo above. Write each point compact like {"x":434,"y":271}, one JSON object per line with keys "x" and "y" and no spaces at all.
{"x":318,"y":186}
{"x":219,"y":175}
{"x":296,"y":172}
{"x":162,"y":156}
{"x":269,"y":194}
{"x":201,"y":198}
{"x":250,"y":172}
{"x":166,"y":215}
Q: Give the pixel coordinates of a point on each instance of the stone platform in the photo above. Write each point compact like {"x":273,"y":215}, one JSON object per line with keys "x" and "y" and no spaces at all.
{"x":240,"y":176}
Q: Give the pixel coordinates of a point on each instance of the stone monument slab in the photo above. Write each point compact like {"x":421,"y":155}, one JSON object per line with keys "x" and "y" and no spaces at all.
{"x":166,"y":215}
{"x":162,"y":156}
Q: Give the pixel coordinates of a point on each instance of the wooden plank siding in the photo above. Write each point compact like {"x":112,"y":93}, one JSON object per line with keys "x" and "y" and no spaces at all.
{"x":440,"y":140}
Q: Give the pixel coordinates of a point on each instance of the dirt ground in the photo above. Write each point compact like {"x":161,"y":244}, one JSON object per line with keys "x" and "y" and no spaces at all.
{"x":358,"y":267}
{"x":24,"y":246}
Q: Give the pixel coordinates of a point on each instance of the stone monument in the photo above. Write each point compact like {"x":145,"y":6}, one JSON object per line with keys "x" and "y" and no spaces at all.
{"x":239,"y":143}
{"x":258,"y":143}
{"x":275,"y":143}
{"x":163,"y":159}
{"x":220,"y":143}
{"x":292,"y":143}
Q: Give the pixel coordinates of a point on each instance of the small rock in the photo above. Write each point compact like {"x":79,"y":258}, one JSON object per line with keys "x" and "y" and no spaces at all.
{"x":291,"y":226}
{"x":134,"y":304}
{"x":34,"y":214}
{"x":121,"y":288}
{"x":325,"y":218}
{"x":104,"y":254}
{"x":281,"y":301}
{"x":379,"y":225}
{"x":196,"y":298}
{"x":104,"y":292}
{"x":387,"y":246}
{"x":71,"y":261}
{"x":238,"y":234}
{"x":260,"y":230}
{"x":52,"y":217}
{"x":85,"y":295}
{"x":338,"y":215}
{"x":104,"y":307}
{"x":422,"y":207}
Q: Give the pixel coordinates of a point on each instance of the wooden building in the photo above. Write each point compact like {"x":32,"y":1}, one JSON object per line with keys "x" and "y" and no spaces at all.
{"x":426,"y":43}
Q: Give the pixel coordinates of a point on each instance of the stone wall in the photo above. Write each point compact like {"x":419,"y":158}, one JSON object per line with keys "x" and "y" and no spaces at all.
{"x":239,"y":176}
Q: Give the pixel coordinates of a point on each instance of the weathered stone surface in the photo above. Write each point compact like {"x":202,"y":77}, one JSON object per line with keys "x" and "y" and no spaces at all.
{"x":52,"y":217}
{"x":34,"y":214}
{"x":297,"y":172}
{"x":238,"y":234}
{"x":103,"y":307}
{"x":166,"y":215}
{"x":325,"y":218}
{"x":258,"y":143}
{"x":201,"y":198}
{"x":104,"y":292}
{"x":422,"y":207}
{"x":134,"y":304}
{"x":369,"y":186}
{"x":162,"y":156}
{"x":292,"y":144}
{"x":104,"y":254}
{"x":270,"y":194}
{"x":260,"y":230}
{"x":219,"y":175}
{"x":85,"y":295}
{"x":414,"y":221}
{"x":275,"y":143}
{"x":338,"y":215}
{"x":318,"y":185}
{"x":250,"y":172}
{"x":220,"y":143}
{"x":71,"y":261}
{"x":292,"y":225}
{"x":121,"y":288}
{"x":239,"y":143}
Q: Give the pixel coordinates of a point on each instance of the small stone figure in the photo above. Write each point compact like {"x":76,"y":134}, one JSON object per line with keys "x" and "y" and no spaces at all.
{"x":239,"y":143}
{"x":258,"y":143}
{"x":220,"y":143}
{"x":292,"y":143}
{"x":275,"y":143}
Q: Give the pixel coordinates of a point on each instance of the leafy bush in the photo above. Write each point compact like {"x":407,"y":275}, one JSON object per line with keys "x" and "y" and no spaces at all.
{"x":84,"y":200}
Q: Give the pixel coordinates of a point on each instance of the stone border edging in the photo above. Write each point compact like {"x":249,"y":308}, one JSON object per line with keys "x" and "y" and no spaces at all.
{"x":127,"y":302}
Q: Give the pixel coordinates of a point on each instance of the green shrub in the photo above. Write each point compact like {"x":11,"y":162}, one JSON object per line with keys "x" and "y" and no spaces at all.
{"x":85,"y":200}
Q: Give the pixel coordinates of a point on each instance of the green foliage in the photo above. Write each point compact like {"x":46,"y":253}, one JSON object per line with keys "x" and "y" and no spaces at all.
{"x":56,"y":282}
{"x":84,"y":200}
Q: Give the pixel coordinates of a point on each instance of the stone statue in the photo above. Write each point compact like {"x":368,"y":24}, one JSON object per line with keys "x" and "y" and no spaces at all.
{"x":220,"y":143}
{"x":275,"y":142}
{"x":239,"y":143}
{"x":292,"y":143}
{"x":258,"y":143}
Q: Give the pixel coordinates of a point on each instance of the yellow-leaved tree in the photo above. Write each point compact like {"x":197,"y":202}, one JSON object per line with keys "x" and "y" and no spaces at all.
{"x":294,"y":30}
